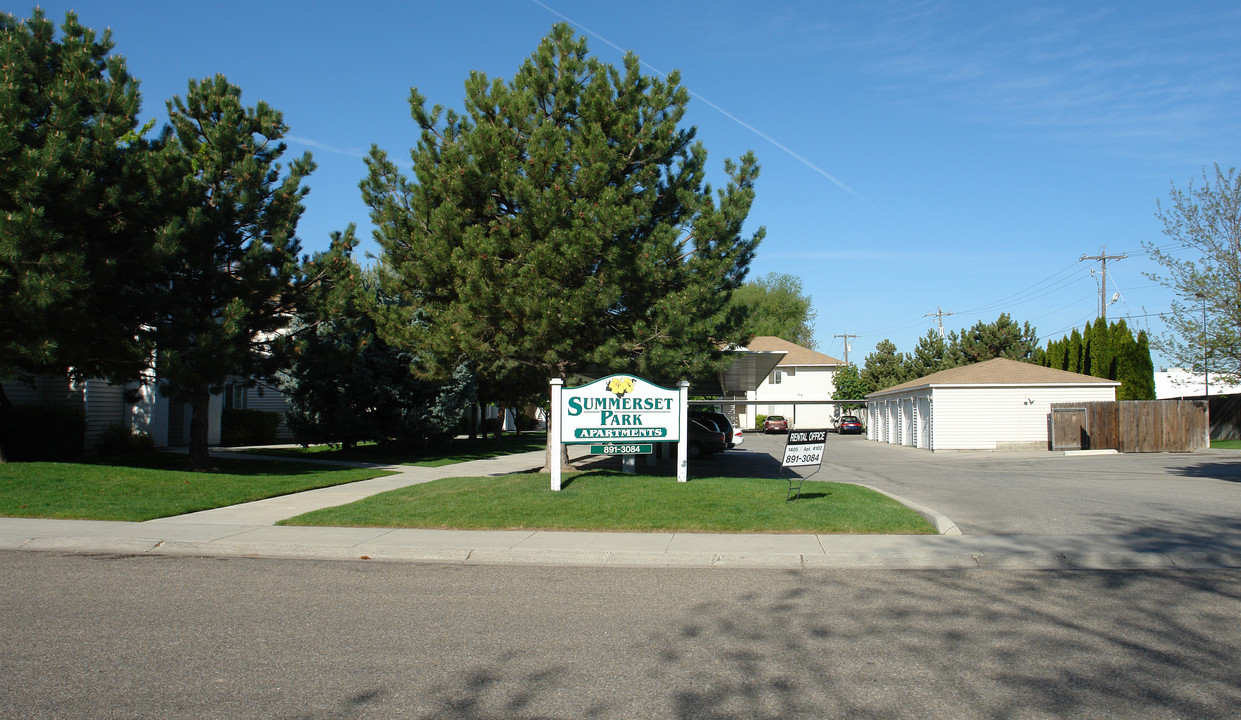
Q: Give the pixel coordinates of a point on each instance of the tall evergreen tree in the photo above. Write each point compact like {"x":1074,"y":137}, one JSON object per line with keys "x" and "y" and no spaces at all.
{"x":984,"y":341}
{"x":1075,"y":352}
{"x":562,"y":223}
{"x":233,"y":285}
{"x":885,"y":367}
{"x":1113,"y":354}
{"x":80,"y":197}
{"x":930,"y":355}
{"x":1102,"y":350}
{"x":1136,"y":372}
{"x":346,"y":385}
{"x":1057,"y":354}
{"x":1088,"y":350}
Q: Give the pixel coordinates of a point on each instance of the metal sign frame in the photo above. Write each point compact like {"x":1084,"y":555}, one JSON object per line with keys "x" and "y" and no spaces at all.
{"x":803,"y":448}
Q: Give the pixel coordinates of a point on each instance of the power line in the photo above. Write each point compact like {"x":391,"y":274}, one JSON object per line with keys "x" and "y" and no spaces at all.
{"x":939,"y":316}
{"x":1103,"y":257}
{"x":846,"y":337}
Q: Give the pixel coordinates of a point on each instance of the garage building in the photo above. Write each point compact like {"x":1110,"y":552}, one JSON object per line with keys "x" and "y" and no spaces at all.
{"x":998,"y":404}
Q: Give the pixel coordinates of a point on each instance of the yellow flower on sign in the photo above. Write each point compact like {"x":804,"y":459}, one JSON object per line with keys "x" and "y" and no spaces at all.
{"x":620,"y":386}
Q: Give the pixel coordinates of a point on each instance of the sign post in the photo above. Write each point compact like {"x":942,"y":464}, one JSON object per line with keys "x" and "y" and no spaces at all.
{"x":803,"y":448}
{"x":553,"y":432}
{"x":683,"y":443}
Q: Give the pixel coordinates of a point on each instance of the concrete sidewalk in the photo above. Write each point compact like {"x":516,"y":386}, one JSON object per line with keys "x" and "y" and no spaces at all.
{"x":249,"y":530}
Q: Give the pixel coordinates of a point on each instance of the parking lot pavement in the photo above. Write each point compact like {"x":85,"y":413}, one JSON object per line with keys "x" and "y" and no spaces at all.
{"x":1165,"y":497}
{"x":1158,"y":494}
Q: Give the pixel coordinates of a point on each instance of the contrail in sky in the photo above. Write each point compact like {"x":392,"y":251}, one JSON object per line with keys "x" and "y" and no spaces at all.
{"x":719,"y":109}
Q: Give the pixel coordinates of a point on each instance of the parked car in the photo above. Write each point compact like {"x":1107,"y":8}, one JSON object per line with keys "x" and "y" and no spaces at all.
{"x":723,"y":423}
{"x":775,"y":423}
{"x":705,"y":438}
{"x":849,"y":424}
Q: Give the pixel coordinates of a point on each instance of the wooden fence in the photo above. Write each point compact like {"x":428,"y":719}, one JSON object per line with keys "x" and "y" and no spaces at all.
{"x":1130,"y":426}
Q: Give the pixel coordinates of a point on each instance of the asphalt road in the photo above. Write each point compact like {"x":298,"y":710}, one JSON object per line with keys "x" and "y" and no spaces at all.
{"x":163,"y":637}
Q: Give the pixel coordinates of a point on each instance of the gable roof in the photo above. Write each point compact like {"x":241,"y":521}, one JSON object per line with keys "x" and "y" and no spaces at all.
{"x":794,"y":354}
{"x":1000,"y":371}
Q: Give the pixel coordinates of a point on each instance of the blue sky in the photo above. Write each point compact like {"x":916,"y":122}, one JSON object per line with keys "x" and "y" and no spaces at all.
{"x":916,"y":155}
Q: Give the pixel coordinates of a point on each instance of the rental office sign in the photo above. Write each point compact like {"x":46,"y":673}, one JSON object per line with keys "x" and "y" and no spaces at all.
{"x":619,"y":409}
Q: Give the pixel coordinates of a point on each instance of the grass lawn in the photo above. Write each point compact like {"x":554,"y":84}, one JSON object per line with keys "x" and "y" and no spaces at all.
{"x":153,"y":485}
{"x":1226,"y":444}
{"x":608,"y":500}
{"x":447,"y":454}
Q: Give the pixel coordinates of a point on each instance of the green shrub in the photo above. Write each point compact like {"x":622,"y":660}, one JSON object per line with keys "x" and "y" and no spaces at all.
{"x":248,"y":427}
{"x":490,"y":425}
{"x":758,"y":421}
{"x":43,"y":432}
{"x":120,"y":440}
{"x":525,"y":423}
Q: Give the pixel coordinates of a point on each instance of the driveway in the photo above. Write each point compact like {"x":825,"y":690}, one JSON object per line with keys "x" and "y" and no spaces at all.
{"x":1164,"y":495}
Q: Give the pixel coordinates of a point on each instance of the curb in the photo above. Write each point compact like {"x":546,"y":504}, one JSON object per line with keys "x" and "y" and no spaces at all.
{"x":941,"y":522}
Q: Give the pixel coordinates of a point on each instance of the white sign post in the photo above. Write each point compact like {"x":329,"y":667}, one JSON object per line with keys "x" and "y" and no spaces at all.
{"x":683,"y":443}
{"x":553,"y":432}
{"x":618,"y":409}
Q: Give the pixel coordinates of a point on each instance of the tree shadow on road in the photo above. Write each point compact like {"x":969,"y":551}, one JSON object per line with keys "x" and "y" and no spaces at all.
{"x":909,"y":644}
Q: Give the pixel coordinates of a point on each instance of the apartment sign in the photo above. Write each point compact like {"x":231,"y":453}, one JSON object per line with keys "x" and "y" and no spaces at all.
{"x":620,"y":408}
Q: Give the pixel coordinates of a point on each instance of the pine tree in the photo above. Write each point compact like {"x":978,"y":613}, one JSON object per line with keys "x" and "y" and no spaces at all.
{"x":984,"y":341}
{"x":885,"y":367}
{"x":233,"y":285}
{"x":930,"y":356}
{"x":561,"y":224}
{"x":80,"y":197}
{"x":346,"y":385}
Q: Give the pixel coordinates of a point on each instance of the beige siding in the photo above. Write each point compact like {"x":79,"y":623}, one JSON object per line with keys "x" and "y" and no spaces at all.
{"x":271,"y":400}
{"x":796,"y":383}
{"x":22,"y":394}
{"x":104,"y":406}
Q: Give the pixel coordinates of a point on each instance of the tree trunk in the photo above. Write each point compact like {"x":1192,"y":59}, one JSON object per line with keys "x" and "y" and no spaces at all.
{"x":499,"y":421}
{"x":200,"y":457}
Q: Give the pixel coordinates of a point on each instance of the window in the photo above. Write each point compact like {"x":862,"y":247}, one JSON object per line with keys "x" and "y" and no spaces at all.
{"x":775,"y":377}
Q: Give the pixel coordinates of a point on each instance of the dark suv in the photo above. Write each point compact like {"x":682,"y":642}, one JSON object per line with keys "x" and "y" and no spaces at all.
{"x":721,"y":421}
{"x":705,"y":438}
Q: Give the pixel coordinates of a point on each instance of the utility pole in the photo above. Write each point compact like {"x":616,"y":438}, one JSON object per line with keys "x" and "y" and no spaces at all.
{"x":846,"y":336}
{"x":1103,"y":257}
{"x":939,"y":314}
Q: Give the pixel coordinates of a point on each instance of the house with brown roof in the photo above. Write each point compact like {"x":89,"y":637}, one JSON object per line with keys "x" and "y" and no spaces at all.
{"x":998,"y":404}
{"x":801,"y":375}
